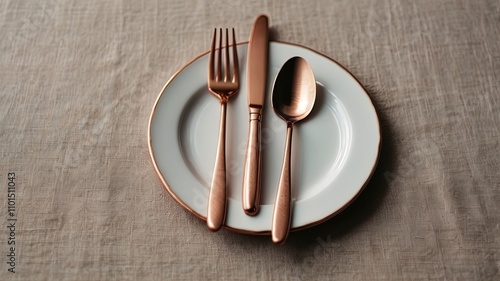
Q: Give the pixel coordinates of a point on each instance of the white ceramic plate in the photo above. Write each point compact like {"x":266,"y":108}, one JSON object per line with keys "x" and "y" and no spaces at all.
{"x":335,"y":149}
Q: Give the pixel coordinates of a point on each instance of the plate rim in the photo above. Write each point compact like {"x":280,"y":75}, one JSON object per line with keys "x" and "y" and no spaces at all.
{"x":265,"y":232}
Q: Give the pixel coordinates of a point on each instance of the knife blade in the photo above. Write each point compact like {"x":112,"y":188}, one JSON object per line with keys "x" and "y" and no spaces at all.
{"x":257,"y":82}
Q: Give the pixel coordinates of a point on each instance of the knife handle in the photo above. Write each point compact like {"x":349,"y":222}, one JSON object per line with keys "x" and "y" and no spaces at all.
{"x":251,"y":172}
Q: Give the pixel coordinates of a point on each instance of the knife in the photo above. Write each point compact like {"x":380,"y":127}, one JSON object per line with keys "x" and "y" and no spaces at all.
{"x":257,"y":83}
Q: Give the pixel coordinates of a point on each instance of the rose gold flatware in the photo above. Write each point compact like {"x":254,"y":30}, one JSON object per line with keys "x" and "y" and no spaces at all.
{"x":223,"y":82}
{"x":294,"y":94}
{"x":257,"y":81}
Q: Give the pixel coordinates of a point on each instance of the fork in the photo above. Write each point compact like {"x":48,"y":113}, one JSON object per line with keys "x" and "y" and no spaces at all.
{"x":223,"y":83}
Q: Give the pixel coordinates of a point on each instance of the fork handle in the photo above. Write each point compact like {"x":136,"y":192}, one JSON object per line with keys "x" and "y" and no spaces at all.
{"x":251,"y":172}
{"x":217,"y":199}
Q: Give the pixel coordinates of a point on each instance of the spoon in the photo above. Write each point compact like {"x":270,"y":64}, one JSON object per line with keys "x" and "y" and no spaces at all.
{"x":294,"y":94}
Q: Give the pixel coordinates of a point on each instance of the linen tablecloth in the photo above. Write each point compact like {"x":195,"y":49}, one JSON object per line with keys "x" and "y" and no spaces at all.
{"x":78,"y":81}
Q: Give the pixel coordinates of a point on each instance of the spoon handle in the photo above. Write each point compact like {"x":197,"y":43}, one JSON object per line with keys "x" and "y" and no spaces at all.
{"x":282,"y":205}
{"x":217,"y":198}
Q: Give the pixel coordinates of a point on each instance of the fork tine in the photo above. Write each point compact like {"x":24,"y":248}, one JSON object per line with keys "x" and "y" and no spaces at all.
{"x":219,"y":58}
{"x":212,"y":57}
{"x":236,"y":72}
{"x":226,"y":59}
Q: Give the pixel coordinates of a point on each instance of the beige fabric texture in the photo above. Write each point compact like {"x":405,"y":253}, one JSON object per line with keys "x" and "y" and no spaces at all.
{"x":78,"y":83}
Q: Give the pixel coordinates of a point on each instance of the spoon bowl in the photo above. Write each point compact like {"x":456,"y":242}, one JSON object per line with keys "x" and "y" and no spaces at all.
{"x":294,"y":94}
{"x":294,"y":91}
